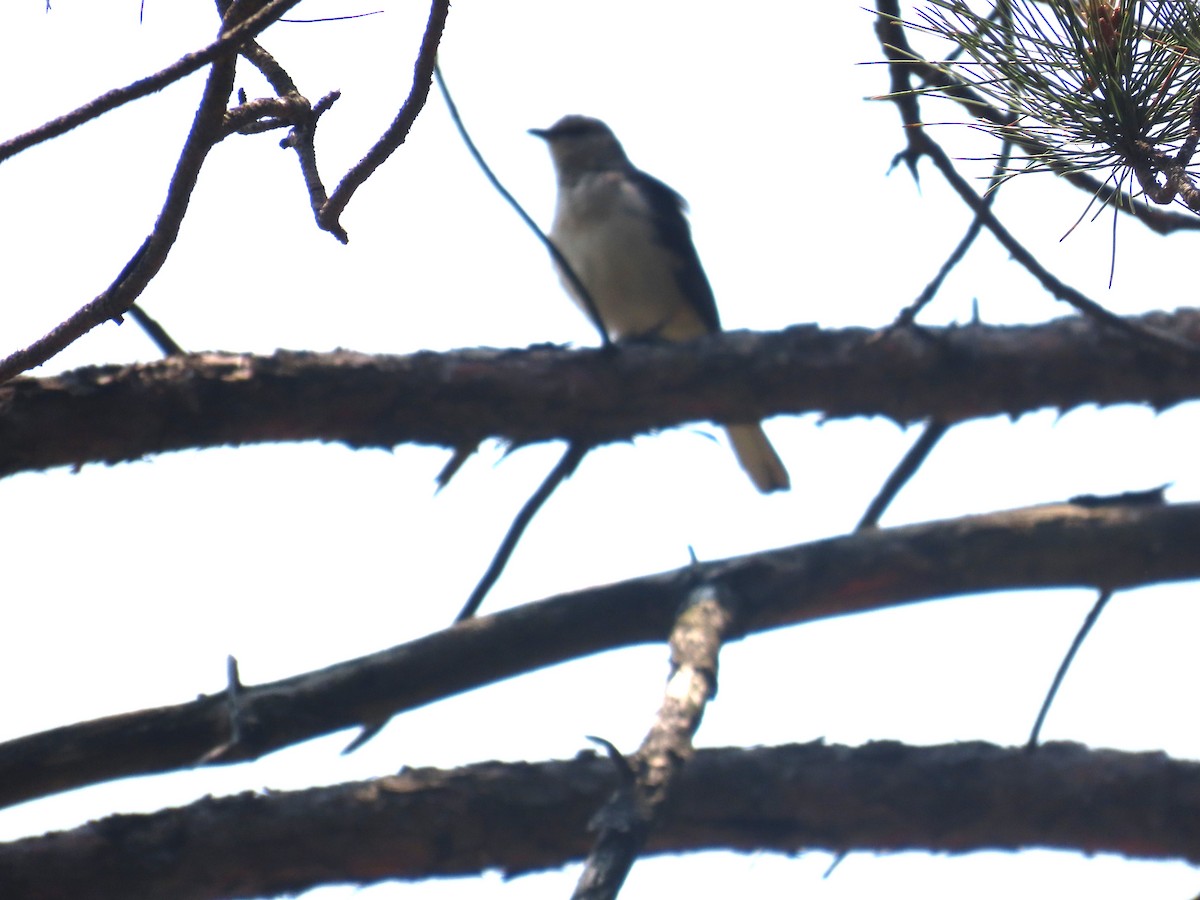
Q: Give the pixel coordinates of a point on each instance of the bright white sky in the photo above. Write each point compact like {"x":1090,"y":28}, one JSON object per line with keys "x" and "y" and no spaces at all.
{"x":130,"y":585}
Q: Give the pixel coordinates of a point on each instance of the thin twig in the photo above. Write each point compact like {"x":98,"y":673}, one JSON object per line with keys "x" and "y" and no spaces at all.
{"x":149,"y":258}
{"x":625,"y":822}
{"x":909,"y":313}
{"x":560,"y":260}
{"x":934,"y":431}
{"x":457,"y":461}
{"x":183,"y":67}
{"x":332,"y":18}
{"x":1065,"y":545}
{"x":302,"y":139}
{"x":165,"y":343}
{"x":281,"y":82}
{"x":566,"y":466}
{"x":925,"y":146}
{"x":289,"y":108}
{"x":233,"y":704}
{"x":1080,"y":636}
{"x":331,"y":212}
{"x":267,"y":114}
{"x":895,"y":44}
{"x":941,"y":83}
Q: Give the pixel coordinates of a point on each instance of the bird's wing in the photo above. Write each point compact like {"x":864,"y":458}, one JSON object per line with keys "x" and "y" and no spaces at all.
{"x":667,"y":208}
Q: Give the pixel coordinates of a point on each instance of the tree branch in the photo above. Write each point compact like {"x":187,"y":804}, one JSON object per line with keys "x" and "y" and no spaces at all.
{"x":329,"y":216}
{"x":457,"y":399}
{"x":228,"y":41}
{"x":520,"y":817}
{"x":938,"y":82}
{"x":1098,"y":546}
{"x":894,"y":41}
{"x":145,"y":263}
{"x":652,"y":780}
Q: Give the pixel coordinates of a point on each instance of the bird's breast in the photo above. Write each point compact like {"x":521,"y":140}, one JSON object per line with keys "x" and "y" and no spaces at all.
{"x":608,"y":236}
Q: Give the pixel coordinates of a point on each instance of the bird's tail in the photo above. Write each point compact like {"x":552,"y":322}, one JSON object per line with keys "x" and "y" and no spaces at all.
{"x":758,"y":457}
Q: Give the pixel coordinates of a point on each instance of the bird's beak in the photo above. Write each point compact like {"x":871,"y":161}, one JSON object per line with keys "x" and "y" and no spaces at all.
{"x":543,"y":133}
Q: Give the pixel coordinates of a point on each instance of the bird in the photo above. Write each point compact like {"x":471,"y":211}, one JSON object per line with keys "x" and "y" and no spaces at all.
{"x":625,"y":236}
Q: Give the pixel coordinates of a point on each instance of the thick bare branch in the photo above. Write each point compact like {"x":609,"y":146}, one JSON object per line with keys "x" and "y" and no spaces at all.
{"x":115,"y":413}
{"x":521,"y":817}
{"x":1086,"y":545}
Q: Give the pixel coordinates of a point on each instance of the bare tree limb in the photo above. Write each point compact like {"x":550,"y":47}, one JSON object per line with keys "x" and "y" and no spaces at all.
{"x":521,"y":817}
{"x":162,"y":340}
{"x":228,"y":41}
{"x":894,"y":41}
{"x":940,"y":83}
{"x":457,"y":399}
{"x":627,"y":820}
{"x":146,"y":262}
{"x":921,"y":144}
{"x":330,"y":214}
{"x":564,"y":267}
{"x":931,"y":433}
{"x":1106,"y":546}
{"x":1080,"y":636}
{"x":563,"y":470}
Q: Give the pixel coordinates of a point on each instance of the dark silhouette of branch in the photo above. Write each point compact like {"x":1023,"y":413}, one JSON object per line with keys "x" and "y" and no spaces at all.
{"x":248,"y":118}
{"x":302,"y":139}
{"x":894,"y":41}
{"x":146,"y":262}
{"x":1107,"y":547}
{"x":931,"y":434}
{"x":267,"y":114}
{"x":460,"y":398}
{"x":275,"y":74}
{"x":563,"y":470}
{"x":585,"y":297}
{"x":937,"y":82}
{"x":240,"y":22}
{"x":921,"y":144}
{"x":330,"y":213}
{"x":521,"y":817}
{"x":909,"y":314}
{"x":288,"y":107}
{"x":229,"y":40}
{"x":162,"y":340}
{"x":627,"y":820}
{"x":1084,"y":630}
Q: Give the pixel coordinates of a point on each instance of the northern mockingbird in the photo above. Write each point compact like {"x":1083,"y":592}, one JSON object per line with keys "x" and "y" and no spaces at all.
{"x":625,"y":236}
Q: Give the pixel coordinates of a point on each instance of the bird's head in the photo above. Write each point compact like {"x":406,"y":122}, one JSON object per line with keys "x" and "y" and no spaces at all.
{"x":581,"y":144}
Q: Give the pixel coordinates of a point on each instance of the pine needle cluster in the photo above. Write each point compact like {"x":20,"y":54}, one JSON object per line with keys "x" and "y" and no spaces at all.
{"x":1090,"y":85}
